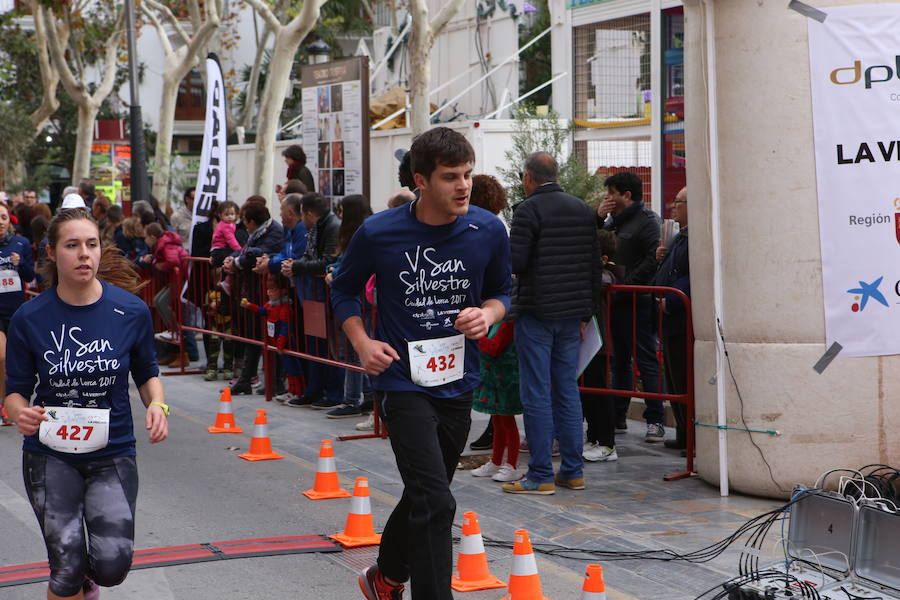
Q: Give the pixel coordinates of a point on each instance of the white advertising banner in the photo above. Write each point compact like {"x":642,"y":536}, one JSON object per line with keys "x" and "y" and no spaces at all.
{"x":854,"y":61}
{"x":212,"y":178}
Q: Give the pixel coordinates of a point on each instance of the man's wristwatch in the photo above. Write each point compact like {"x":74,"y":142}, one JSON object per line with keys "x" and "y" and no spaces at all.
{"x":163,"y":406}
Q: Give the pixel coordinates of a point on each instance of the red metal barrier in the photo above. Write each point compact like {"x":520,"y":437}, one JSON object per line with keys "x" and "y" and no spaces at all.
{"x":687,"y":398}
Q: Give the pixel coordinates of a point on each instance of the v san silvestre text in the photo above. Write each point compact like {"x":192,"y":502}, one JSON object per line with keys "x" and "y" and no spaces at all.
{"x":65,"y":363}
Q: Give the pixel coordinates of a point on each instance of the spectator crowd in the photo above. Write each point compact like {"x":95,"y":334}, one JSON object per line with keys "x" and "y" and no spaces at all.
{"x":258,"y":276}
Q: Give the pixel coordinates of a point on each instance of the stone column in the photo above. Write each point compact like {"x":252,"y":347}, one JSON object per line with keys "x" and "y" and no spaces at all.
{"x":772,"y":309}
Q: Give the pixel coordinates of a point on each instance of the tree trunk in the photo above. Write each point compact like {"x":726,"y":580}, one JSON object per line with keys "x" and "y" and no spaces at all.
{"x":87,"y":116}
{"x":252,"y":91}
{"x":420,"y":43}
{"x":272,"y":101}
{"x":162,"y":162}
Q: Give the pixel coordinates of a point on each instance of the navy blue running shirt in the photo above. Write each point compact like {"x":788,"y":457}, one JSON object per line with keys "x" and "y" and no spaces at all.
{"x":424,"y":276}
{"x":80,"y":356}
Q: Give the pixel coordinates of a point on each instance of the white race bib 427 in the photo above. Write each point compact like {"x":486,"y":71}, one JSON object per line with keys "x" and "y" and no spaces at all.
{"x":438,"y":361}
{"x":75,"y":430}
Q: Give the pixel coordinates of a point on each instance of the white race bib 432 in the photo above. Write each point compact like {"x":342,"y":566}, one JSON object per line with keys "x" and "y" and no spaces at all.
{"x":10,"y":281}
{"x":75,"y":430}
{"x":438,"y":361}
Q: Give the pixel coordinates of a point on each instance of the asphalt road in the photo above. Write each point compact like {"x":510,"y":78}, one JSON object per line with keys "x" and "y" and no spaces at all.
{"x":194,"y":489}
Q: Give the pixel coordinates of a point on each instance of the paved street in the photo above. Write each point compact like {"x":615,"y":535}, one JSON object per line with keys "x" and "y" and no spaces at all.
{"x":194,"y":489}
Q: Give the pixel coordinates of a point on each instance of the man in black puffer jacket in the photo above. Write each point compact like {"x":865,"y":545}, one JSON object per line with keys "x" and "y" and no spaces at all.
{"x":556,"y":259}
{"x":637,"y":233}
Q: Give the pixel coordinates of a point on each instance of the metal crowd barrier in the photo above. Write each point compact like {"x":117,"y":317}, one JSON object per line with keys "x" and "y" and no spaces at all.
{"x":633,"y":294}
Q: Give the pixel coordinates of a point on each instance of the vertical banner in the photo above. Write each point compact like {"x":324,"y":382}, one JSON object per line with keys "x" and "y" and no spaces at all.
{"x":212,"y":177}
{"x":336,"y":126}
{"x":855,"y":83}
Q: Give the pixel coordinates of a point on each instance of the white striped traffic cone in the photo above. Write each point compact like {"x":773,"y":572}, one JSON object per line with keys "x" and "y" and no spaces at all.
{"x":225,"y":417}
{"x":326,"y":484}
{"x":471,"y":567}
{"x":524,"y":581}
{"x":260,"y":444}
{"x":359,"y":530}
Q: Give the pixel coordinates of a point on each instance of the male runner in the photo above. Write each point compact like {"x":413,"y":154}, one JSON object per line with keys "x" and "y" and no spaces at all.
{"x":443,"y":277}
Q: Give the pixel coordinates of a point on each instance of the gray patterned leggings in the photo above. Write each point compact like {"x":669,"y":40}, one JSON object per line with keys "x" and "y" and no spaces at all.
{"x":69,"y":497}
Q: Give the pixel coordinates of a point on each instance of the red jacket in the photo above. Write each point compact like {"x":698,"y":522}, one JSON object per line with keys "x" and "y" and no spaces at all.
{"x":169,"y":253}
{"x":279,"y":315}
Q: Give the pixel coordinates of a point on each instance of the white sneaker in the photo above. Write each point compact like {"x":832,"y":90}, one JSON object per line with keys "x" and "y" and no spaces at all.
{"x":282,"y":398}
{"x":488,"y":469}
{"x":165,"y":336}
{"x":598,"y":453}
{"x":507,"y":473}
{"x":367,"y":425}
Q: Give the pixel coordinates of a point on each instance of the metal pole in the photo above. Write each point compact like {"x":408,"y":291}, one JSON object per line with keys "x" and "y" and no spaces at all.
{"x":716,"y":216}
{"x":139,"y":187}
{"x":523,"y":96}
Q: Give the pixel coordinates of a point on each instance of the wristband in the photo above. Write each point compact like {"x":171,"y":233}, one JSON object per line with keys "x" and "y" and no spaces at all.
{"x":162,"y":405}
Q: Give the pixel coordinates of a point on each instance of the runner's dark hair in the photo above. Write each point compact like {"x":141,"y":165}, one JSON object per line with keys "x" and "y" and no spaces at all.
{"x":113,"y":268}
{"x":355,"y":209}
{"x":439,"y":146}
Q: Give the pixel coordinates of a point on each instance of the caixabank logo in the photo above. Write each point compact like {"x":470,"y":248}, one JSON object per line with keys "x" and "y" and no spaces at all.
{"x":866,"y":292}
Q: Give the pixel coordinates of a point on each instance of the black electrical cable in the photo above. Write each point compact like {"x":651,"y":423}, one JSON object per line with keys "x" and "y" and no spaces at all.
{"x":743,"y":418}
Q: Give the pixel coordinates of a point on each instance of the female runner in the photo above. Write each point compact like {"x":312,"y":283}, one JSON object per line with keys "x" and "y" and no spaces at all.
{"x":75,"y":346}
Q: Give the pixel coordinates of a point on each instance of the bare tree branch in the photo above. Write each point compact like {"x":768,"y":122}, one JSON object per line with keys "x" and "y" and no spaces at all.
{"x":252,"y":89}
{"x":447,"y":12}
{"x":55,"y":33}
{"x":160,"y":30}
{"x":111,"y":49}
{"x":267,"y":15}
{"x":164,"y":10}
{"x":49,"y":75}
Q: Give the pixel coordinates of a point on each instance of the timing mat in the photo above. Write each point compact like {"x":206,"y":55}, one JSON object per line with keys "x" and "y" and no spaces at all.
{"x":191,"y":553}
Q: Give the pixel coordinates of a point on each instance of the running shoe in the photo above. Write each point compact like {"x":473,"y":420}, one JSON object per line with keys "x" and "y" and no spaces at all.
{"x":343,"y":411}
{"x":527,"y":486}
{"x":211,"y":375}
{"x":655,"y":433}
{"x":283,"y":398}
{"x":594,"y":452}
{"x":367,"y":425}
{"x":374,"y":587}
{"x":576,"y":483}
{"x":507,"y":473}
{"x":325,"y":403}
{"x":165,"y":336}
{"x":488,"y":469}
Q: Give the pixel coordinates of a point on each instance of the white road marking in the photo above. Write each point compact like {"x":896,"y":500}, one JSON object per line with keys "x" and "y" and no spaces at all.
{"x":19,"y":507}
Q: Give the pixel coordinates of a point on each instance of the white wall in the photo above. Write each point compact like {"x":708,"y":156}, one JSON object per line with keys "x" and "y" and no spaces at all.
{"x":491,"y":139}
{"x":454,"y":53}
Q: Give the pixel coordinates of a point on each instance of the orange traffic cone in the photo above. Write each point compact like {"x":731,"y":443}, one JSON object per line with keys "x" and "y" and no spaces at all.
{"x":593,"y":588}
{"x":225,"y":418}
{"x":326,"y":484}
{"x":260,"y":444}
{"x":359,"y":530}
{"x":471,"y":567}
{"x":524,"y":581}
